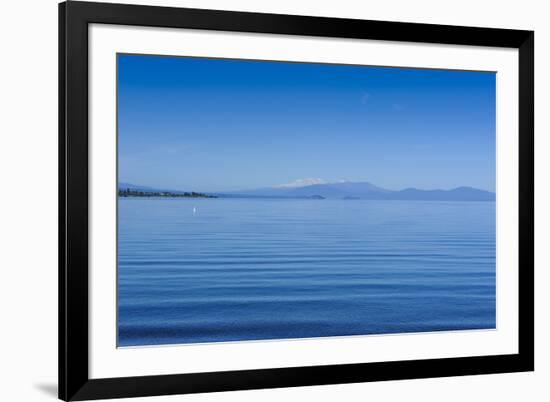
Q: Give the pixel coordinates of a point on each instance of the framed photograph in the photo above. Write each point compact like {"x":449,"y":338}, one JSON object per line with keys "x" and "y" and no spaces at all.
{"x":256,"y":200}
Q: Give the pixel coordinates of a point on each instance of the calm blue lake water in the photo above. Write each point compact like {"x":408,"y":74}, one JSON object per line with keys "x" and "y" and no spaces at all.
{"x":250,"y":269}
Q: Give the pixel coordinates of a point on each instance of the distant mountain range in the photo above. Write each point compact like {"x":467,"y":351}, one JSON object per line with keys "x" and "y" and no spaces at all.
{"x":348,"y":191}
{"x":368,"y":191}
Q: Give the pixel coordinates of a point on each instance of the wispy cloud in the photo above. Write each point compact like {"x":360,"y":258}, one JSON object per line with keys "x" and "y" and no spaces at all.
{"x":365,"y":96}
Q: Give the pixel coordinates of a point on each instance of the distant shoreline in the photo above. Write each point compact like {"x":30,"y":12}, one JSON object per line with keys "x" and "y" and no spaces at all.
{"x":261,"y":198}
{"x":340,"y":190}
{"x":168,"y":194}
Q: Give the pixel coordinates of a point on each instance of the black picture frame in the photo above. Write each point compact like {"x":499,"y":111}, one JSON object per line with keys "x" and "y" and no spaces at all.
{"x":74,"y":381}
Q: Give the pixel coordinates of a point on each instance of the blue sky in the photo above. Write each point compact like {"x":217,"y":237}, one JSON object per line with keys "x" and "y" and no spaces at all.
{"x":216,"y":125}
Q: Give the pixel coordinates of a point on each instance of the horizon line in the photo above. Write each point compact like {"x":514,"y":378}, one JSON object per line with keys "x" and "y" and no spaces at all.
{"x":281,"y":187}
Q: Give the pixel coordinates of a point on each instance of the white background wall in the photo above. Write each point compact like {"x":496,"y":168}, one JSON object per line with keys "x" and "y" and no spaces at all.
{"x":28,"y":199}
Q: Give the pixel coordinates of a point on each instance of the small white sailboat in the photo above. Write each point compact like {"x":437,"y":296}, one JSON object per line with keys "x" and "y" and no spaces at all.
{"x":194,"y":210}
